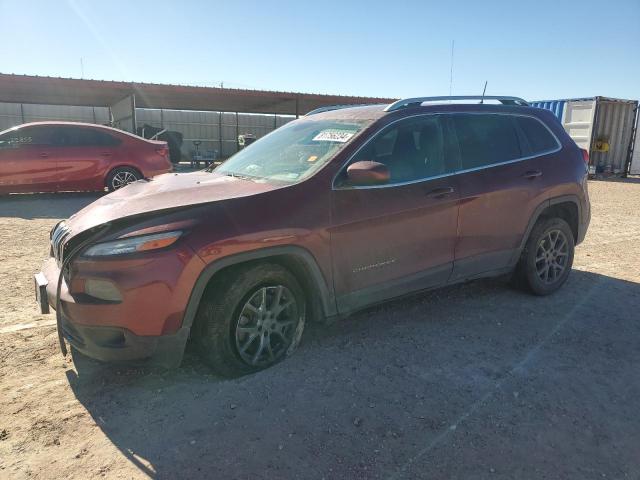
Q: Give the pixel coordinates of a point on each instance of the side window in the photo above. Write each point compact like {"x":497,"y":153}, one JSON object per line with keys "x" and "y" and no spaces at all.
{"x":537,"y":138}
{"x":61,"y":136}
{"x":383,"y":145}
{"x":486,"y":139}
{"x":81,"y":137}
{"x":103,"y":139}
{"x":26,"y":136}
{"x":5,"y":141}
{"x":89,"y":137}
{"x":413,"y":149}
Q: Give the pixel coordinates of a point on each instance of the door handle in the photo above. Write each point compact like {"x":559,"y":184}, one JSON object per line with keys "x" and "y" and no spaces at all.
{"x":532,"y":174}
{"x":440,"y":192}
{"x":44,"y":155}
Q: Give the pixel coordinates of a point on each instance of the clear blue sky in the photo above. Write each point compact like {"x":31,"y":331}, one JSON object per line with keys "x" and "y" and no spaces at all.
{"x":535,"y":49}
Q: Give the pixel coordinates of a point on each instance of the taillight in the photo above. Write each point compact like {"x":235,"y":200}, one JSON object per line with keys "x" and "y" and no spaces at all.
{"x":162,"y":151}
{"x":585,"y":156}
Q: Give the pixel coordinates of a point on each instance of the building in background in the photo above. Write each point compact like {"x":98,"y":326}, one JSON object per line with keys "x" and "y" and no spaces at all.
{"x":209,"y":119}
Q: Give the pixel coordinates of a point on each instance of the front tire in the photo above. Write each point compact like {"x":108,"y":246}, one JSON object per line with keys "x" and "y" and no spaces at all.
{"x":548,"y":256}
{"x":250,"y":319}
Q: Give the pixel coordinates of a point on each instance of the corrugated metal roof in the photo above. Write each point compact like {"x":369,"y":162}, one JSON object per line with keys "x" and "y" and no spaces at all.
{"x":72,"y":91}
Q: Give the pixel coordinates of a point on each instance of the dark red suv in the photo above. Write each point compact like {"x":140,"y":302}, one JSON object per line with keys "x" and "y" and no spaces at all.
{"x":332,"y":212}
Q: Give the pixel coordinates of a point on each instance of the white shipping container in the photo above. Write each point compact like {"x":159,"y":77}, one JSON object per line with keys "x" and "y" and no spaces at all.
{"x":635,"y":162}
{"x":602,"y":126}
{"x":578,"y":121}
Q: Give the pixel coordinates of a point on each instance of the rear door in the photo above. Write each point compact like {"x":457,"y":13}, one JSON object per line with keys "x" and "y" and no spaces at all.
{"x":83,"y":156}
{"x":392,"y":239}
{"x":501,"y":183}
{"x":26,"y":161}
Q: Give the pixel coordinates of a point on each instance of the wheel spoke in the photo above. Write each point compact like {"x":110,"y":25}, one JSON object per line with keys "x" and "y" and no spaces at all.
{"x":276,"y":301}
{"x":286,"y":323}
{"x":252,"y":329}
{"x":251,"y":308}
{"x":263,"y":302}
{"x":281,"y":335}
{"x":249,"y":342}
{"x":562,"y":245}
{"x":270,"y":350}
{"x":282,"y":308}
{"x":260,"y":348}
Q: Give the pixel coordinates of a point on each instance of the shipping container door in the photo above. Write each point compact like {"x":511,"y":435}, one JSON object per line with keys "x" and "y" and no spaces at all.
{"x":635,"y":162}
{"x":578,"y":121}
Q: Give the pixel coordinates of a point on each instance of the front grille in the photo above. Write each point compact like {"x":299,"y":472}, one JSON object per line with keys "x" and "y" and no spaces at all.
{"x":59,"y":236}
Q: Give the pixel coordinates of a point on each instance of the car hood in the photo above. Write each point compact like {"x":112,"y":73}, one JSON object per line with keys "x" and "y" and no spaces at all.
{"x":164,"y":192}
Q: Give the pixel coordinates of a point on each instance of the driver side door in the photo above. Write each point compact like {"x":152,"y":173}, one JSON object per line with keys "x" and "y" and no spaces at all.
{"x":392,"y":239}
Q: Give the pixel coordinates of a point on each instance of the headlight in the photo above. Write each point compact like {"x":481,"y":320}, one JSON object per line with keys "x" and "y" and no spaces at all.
{"x":142,"y":243}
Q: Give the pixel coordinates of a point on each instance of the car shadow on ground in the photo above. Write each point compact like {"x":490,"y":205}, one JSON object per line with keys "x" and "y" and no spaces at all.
{"x":472,"y":380}
{"x":45,"y":205}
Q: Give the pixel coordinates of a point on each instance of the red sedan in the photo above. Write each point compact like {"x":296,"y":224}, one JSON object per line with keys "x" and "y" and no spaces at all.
{"x":69,"y":156}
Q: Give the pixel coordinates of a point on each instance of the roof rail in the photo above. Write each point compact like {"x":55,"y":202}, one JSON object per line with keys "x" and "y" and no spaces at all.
{"x":416,"y":102}
{"x":334,"y":107}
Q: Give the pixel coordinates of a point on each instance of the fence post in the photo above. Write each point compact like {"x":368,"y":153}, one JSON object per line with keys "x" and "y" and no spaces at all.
{"x":220,"y":133}
{"x":237,"y":131}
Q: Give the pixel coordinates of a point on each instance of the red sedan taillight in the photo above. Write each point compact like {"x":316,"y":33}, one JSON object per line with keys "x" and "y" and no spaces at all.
{"x":162,"y":151}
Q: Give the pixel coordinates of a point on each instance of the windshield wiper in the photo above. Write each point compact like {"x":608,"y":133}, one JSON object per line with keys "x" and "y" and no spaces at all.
{"x":239,"y":175}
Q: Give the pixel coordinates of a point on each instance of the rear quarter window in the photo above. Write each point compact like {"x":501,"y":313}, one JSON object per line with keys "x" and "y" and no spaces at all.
{"x":537,"y":138}
{"x":82,"y":137}
{"x":91,"y":137}
{"x":486,"y":139}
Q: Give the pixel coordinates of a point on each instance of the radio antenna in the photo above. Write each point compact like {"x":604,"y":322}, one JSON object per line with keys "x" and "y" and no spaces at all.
{"x":453,"y":42}
{"x":484,"y":91}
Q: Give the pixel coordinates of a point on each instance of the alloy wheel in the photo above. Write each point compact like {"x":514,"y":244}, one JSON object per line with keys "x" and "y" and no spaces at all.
{"x":123,"y":178}
{"x":552,"y":254}
{"x":267,"y":325}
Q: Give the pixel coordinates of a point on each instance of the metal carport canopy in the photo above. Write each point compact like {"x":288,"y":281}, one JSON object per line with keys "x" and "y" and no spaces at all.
{"x":99,"y":93}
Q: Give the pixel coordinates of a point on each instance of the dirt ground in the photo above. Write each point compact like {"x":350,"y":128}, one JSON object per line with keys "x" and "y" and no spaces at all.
{"x":474,"y":381}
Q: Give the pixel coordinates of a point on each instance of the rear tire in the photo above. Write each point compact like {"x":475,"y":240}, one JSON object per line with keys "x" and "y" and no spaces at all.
{"x":122,"y":176}
{"x":250,"y":319}
{"x":547,"y":258}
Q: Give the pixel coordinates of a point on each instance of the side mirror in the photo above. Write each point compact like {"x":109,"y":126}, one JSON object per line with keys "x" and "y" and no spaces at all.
{"x":368,"y":173}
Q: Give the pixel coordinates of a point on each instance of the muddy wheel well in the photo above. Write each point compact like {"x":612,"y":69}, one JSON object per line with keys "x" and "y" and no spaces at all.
{"x":295,"y":265}
{"x":568,"y":211}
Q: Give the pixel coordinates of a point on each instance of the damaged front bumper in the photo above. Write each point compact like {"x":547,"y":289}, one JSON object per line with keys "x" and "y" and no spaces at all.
{"x":105,"y":343}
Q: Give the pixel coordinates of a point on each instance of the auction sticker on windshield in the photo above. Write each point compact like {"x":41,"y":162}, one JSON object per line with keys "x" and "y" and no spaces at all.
{"x":333,"y":135}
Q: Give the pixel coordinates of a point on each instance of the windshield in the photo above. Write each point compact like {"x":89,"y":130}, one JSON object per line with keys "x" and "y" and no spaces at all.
{"x":293,"y":152}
